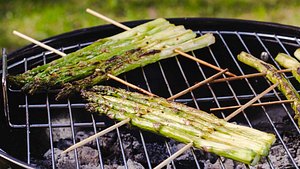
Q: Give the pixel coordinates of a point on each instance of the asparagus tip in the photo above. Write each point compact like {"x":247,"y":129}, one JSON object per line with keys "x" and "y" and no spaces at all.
{"x":14,"y":80}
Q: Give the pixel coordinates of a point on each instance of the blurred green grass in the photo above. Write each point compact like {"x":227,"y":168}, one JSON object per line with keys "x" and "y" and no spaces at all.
{"x":42,"y":18}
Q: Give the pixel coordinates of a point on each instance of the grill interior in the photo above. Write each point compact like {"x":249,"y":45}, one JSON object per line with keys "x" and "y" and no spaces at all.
{"x":35,"y":123}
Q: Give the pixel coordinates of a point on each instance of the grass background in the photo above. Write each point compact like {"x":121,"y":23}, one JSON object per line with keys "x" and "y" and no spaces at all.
{"x":43,"y":18}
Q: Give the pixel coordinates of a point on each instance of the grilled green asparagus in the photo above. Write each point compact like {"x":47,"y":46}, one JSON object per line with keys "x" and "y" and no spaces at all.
{"x":142,"y":45}
{"x":181,"y":123}
{"x":290,"y":63}
{"x":284,"y":85}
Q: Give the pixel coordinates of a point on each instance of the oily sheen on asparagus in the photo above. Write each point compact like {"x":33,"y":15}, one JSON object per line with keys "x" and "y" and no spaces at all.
{"x":142,"y":45}
{"x":284,"y":85}
{"x":181,"y":123}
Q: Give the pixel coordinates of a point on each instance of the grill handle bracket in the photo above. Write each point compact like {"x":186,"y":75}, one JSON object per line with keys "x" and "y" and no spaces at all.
{"x":4,"y":84}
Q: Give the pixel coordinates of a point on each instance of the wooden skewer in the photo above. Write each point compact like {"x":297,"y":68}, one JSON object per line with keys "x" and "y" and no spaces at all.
{"x":203,"y":62}
{"x":247,"y":76}
{"x":130,"y":85}
{"x":197,"y":85}
{"x":251,"y":102}
{"x":175,"y":155}
{"x":92,"y":12}
{"x":91,"y":138}
{"x":256,"y":104}
{"x":39,"y":43}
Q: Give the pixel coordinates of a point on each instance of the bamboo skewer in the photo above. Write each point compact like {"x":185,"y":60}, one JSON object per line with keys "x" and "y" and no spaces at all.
{"x":130,"y":85}
{"x":253,"y":105}
{"x":203,"y":62}
{"x":39,"y":43}
{"x":250,"y":102}
{"x":94,"y":13}
{"x":197,"y":85}
{"x":173,"y":156}
{"x":101,"y":133}
{"x":247,"y":76}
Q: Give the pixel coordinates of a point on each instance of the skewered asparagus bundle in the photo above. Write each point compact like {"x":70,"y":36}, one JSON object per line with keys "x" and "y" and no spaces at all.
{"x":180,"y":122}
{"x":284,"y":85}
{"x":142,"y":45}
{"x":289,"y":62}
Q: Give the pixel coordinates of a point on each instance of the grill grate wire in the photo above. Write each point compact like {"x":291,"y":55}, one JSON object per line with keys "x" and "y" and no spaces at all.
{"x":28,"y":126}
{"x":255,"y":94}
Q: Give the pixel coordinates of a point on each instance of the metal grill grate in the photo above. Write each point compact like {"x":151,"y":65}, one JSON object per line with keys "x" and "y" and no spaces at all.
{"x":166,"y":78}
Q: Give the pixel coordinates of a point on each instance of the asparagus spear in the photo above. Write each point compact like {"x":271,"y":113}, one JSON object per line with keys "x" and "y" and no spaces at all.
{"x":284,"y":85}
{"x":142,"y":45}
{"x":289,"y":62}
{"x":297,"y":53}
{"x":182,"y":123}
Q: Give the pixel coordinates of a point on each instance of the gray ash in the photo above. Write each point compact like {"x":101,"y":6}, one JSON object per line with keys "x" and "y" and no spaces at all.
{"x":279,"y":157}
{"x":88,"y":156}
{"x":111,"y":154}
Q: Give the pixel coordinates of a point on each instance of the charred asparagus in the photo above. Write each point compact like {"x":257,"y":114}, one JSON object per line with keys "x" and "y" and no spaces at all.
{"x":284,"y":85}
{"x":289,"y":62}
{"x":142,"y":45}
{"x":180,"y":122}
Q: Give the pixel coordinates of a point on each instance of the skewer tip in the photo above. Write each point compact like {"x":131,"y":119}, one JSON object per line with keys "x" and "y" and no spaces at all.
{"x":101,"y":133}
{"x":67,"y":150}
{"x":15,"y":32}
{"x":175,"y":155}
{"x":88,"y":10}
{"x":64,"y":152}
{"x":233,"y":114}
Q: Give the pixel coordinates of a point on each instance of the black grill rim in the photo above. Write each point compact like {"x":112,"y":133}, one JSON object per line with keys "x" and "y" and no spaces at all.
{"x":218,"y":24}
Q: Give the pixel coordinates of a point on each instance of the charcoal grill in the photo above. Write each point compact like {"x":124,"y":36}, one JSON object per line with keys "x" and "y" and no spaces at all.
{"x":28,"y":123}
